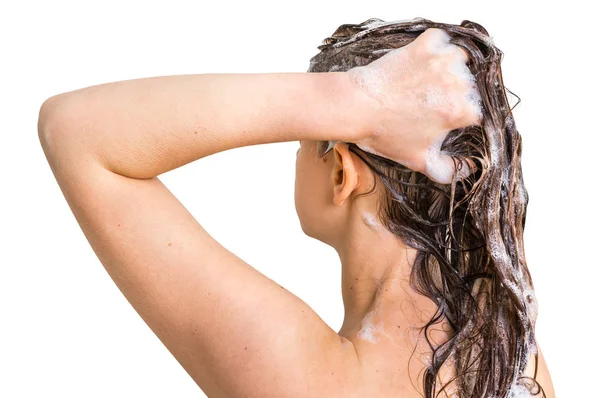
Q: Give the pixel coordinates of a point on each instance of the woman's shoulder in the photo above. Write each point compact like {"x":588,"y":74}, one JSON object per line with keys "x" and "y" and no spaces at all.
{"x":384,"y":370}
{"x":542,"y":375}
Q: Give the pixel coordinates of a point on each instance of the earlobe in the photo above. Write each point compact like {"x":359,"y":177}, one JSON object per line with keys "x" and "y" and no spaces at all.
{"x":345,"y":175}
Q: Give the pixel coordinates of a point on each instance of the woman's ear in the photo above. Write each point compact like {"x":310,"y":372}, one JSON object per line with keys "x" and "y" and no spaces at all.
{"x":344,"y":173}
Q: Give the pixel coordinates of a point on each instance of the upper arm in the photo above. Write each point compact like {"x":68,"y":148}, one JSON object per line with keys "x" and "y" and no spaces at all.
{"x":235,"y":331}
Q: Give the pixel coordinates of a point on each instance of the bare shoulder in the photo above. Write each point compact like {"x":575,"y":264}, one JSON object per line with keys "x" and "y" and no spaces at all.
{"x":386,"y":371}
{"x":543,"y":374}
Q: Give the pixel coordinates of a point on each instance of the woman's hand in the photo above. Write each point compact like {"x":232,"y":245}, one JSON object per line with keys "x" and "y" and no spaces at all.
{"x":422,"y":91}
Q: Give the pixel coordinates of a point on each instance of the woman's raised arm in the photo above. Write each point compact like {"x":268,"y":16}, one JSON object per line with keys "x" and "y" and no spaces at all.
{"x":401,"y":105}
{"x":234,"y":330}
{"x":142,"y":128}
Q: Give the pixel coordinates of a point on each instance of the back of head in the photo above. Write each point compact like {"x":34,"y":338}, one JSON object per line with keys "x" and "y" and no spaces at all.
{"x":469,"y":234}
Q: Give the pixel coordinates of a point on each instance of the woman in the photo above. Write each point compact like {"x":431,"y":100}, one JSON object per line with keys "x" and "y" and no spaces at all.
{"x":408,"y":167}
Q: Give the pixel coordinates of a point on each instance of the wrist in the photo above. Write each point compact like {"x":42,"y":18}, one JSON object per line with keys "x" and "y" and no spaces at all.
{"x":345,"y":108}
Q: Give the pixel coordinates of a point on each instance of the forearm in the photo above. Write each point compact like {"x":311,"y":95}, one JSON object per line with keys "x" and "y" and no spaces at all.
{"x":145,"y":127}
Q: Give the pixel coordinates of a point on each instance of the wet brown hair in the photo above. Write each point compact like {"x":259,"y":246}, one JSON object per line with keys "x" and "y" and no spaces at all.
{"x":469,"y":234}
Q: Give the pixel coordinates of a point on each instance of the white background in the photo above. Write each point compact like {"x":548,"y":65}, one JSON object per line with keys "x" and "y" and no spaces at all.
{"x":65,"y":328}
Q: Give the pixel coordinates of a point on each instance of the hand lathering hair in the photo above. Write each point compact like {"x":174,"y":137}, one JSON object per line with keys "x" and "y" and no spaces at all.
{"x":469,"y":234}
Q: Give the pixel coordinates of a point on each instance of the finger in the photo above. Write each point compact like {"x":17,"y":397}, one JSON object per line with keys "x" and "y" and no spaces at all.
{"x":474,"y":99}
{"x":462,"y":54}
{"x":435,"y":34}
{"x":437,"y":41}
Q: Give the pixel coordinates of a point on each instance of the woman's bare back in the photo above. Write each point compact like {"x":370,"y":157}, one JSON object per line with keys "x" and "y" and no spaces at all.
{"x":389,"y":367}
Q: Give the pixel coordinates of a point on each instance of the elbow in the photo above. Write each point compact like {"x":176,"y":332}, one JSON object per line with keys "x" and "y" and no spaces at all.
{"x":61,"y":132}
{"x":47,"y":111}
{"x":51,"y":122}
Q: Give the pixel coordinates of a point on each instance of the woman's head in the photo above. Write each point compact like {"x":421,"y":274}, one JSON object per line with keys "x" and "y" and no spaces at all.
{"x":329,"y":177}
{"x":468,"y":234}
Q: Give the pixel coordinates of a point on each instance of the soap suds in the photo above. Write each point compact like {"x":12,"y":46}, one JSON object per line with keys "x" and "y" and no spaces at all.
{"x":375,"y":23}
{"x":519,"y":391}
{"x":373,"y":79}
{"x":459,"y":69}
{"x":368,"y":329}
{"x":371,"y":329}
{"x":382,"y":51}
{"x":440,"y":45}
{"x":440,"y":166}
{"x":435,"y":98}
{"x":462,"y":71}
{"x":371,"y":220}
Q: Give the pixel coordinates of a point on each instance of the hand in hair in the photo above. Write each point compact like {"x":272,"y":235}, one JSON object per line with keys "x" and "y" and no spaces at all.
{"x":422,"y":91}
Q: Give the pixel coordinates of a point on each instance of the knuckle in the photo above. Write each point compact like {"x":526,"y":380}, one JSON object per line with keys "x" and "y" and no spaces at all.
{"x":434,"y":63}
{"x":454,"y":112}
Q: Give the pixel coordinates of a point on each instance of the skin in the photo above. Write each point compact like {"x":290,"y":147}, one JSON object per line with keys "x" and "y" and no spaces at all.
{"x":234,"y":330}
{"x":376,"y":265}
